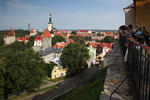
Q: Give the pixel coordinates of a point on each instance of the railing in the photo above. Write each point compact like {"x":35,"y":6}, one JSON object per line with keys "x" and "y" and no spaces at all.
{"x":138,"y":65}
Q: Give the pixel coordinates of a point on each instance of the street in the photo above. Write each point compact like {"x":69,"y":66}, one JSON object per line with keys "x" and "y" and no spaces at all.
{"x":68,"y":84}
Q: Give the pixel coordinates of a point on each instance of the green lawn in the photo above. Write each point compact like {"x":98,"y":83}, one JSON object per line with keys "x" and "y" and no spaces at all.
{"x":56,"y":80}
{"x":88,"y":91}
{"x":33,"y":93}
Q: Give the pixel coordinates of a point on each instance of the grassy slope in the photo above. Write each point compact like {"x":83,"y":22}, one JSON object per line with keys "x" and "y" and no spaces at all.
{"x":88,"y":91}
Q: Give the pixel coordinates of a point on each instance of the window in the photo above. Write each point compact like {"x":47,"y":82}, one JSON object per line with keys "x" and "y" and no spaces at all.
{"x":61,"y":74}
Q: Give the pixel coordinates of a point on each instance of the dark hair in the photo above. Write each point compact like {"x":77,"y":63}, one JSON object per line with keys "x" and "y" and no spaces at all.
{"x":140,"y":29}
{"x":144,"y":28}
{"x":123,"y":27}
{"x":130,"y":26}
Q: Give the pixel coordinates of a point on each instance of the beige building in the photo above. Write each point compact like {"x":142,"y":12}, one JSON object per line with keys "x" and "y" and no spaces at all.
{"x":58,"y":71}
{"x":143,"y":13}
{"x":130,"y":15}
{"x":138,"y":14}
{"x":92,"y":54}
{"x":33,"y":32}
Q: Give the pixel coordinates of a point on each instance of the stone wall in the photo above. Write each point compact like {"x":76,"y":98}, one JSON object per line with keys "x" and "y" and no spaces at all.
{"x":116,"y":73}
{"x":46,"y":43}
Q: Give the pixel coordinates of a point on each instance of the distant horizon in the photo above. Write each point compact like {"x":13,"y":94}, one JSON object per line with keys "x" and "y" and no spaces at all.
{"x":64,"y":29}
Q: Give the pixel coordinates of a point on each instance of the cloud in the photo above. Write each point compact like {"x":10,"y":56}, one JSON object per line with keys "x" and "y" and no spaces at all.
{"x":20,"y":4}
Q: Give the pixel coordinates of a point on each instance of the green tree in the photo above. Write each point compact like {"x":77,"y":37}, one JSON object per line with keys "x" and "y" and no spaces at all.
{"x":49,"y":68}
{"x":21,"y":33}
{"x":21,"y":70}
{"x":57,"y":39}
{"x":88,"y":38}
{"x":108,"y":39}
{"x":30,"y":42}
{"x":17,"y":46}
{"x":2,"y":72}
{"x":74,"y":33}
{"x":100,"y":34}
{"x":1,"y":40}
{"x":74,"y":57}
{"x":78,"y":39}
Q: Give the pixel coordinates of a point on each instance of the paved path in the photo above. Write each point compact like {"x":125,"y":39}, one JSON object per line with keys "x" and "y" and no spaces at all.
{"x":68,"y":84}
{"x":41,"y":87}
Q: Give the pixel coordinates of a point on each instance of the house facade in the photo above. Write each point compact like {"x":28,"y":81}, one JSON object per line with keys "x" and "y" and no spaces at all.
{"x":32,"y":32}
{"x":130,"y":15}
{"x":58,"y":71}
{"x":92,"y":54}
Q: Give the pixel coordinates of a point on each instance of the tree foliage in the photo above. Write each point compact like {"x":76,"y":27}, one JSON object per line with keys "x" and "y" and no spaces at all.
{"x":100,"y":34}
{"x":21,"y":69}
{"x":74,"y":33}
{"x":49,"y":68}
{"x":30,"y":42}
{"x":1,"y":40}
{"x":88,"y":38}
{"x":21,"y":33}
{"x":57,"y":39}
{"x":18,"y":32}
{"x":78,"y":39}
{"x":74,"y":57}
{"x":108,"y":39}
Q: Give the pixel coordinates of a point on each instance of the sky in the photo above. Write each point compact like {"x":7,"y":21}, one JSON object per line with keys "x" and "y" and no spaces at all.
{"x":66,"y":14}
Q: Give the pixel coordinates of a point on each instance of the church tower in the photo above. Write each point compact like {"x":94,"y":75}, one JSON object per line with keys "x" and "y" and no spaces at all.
{"x":46,"y":40}
{"x":50,"y":24}
{"x":10,"y":37}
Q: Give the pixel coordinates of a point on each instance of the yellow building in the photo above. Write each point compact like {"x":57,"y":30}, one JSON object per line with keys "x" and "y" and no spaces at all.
{"x":58,"y":71}
{"x":138,"y":14}
{"x":130,"y":15}
{"x":142,"y":8}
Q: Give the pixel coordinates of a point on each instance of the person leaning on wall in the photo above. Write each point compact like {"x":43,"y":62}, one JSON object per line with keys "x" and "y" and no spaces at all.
{"x":146,"y":36}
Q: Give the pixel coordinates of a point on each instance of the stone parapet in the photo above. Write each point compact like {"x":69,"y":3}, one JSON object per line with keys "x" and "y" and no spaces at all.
{"x":116,"y":73}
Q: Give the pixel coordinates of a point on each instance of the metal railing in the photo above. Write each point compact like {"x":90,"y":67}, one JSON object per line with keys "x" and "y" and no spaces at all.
{"x":138,"y":65}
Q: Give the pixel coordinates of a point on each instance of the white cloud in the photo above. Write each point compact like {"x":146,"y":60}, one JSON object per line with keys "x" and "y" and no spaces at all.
{"x":20,"y":4}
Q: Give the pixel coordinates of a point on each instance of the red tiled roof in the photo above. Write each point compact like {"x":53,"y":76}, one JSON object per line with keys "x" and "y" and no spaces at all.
{"x":130,"y":6}
{"x":24,"y":39}
{"x":71,"y":40}
{"x":46,"y":34}
{"x":61,"y":45}
{"x":83,"y":30}
{"x":94,"y":44}
{"x":38,"y":38}
{"x":32,"y":31}
{"x":57,"y":34}
{"x":108,"y":45}
{"x":11,"y":32}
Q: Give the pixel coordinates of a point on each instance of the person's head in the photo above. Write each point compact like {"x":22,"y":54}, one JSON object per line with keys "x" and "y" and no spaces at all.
{"x":123,"y":27}
{"x":130,"y":26}
{"x":139,"y":29}
{"x":143,"y":29}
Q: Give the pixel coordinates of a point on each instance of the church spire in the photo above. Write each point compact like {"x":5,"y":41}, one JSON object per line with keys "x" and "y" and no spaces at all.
{"x":50,"y":19}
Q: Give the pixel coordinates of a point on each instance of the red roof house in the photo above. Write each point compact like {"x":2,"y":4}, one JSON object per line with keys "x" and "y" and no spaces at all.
{"x":11,"y":32}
